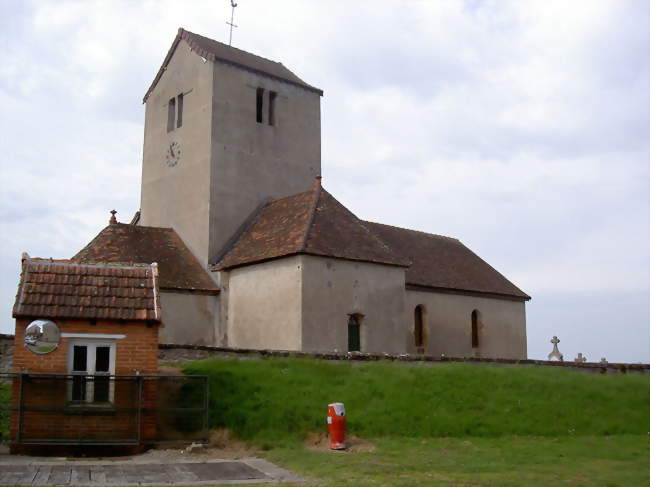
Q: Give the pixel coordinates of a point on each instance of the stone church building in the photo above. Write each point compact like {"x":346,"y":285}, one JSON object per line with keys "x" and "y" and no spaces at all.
{"x":252,"y":250}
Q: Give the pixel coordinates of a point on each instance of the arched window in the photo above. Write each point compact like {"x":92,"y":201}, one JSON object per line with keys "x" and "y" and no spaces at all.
{"x":418,"y":323}
{"x":354,"y":333}
{"x":475,"y":316}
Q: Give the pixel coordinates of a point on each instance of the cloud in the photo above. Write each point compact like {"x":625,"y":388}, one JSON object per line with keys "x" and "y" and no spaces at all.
{"x":518,"y":127}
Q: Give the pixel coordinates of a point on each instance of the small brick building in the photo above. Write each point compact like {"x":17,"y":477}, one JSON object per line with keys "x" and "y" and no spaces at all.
{"x":107,"y":318}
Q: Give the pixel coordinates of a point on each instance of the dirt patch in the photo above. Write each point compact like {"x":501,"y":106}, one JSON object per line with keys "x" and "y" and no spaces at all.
{"x":221,"y":445}
{"x":320,"y":442}
{"x":169,"y":369}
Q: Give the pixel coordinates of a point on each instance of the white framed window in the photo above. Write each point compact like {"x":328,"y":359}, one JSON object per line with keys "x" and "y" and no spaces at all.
{"x":91,"y":364}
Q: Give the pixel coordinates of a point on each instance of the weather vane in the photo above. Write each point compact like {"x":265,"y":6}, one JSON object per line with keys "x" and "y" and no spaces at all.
{"x":232,"y":16}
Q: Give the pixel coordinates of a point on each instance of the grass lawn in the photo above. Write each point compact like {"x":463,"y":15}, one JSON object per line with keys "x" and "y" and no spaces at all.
{"x":277,"y":402}
{"x":592,"y":461}
{"x":448,"y":424}
{"x":5,"y":397}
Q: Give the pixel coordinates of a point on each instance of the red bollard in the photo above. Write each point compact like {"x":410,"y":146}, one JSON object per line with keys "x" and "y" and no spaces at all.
{"x":336,"y":425}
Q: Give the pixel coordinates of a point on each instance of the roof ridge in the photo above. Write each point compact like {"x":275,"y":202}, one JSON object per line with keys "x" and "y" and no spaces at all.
{"x":414,"y":231}
{"x":231,"y":47}
{"x":130,"y":225}
{"x":99,"y":264}
{"x":201,"y":45}
{"x":21,"y":285}
{"x":317,"y":190}
{"x":381,"y":242}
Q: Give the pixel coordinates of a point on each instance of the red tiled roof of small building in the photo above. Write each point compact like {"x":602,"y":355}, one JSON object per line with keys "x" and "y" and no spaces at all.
{"x":444,"y":263}
{"x":313,"y":222}
{"x":216,"y":51}
{"x":70,"y":290}
{"x":124,"y":243}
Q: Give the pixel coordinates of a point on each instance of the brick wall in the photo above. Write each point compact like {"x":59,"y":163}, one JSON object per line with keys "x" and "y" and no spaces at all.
{"x":186,"y":353}
{"x":137,"y":351}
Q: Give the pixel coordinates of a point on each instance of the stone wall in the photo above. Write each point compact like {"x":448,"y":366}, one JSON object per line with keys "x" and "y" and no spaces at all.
{"x":6,"y":352}
{"x":183,"y":353}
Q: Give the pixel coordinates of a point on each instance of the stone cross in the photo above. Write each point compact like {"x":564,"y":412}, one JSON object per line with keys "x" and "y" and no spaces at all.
{"x":555,"y":353}
{"x":580,"y":359}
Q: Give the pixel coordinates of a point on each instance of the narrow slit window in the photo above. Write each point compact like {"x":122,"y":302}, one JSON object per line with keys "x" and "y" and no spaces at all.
{"x":260,"y":104}
{"x":171,"y":114}
{"x":418,"y":331}
{"x":475,"y":329}
{"x":179,"y":111}
{"x":354,"y":334}
{"x":272,"y":96}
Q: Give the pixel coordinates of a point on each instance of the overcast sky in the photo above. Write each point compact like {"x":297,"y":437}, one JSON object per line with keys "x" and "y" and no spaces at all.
{"x":520,"y":127}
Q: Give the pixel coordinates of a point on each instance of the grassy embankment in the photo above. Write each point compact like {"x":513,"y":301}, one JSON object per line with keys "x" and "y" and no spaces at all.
{"x":279,"y":401}
{"x":5,"y":397}
{"x":449,"y":424}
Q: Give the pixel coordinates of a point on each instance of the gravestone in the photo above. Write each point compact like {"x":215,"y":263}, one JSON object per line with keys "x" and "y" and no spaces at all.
{"x":580,"y":358}
{"x":555,"y":354}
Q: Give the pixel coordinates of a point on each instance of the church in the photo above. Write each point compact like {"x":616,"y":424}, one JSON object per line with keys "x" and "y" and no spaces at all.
{"x":253,"y":251}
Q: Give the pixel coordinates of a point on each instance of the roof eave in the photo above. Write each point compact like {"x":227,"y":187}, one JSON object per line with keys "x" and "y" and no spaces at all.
{"x":83,"y":318}
{"x":220,"y":268}
{"x":466,"y":292}
{"x":196,"y":290}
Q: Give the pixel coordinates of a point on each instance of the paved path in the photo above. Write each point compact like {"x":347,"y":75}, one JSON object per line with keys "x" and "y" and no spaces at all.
{"x":104,"y":473}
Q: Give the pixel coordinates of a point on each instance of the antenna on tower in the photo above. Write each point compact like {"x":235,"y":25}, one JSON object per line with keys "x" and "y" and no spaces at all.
{"x":231,"y":24}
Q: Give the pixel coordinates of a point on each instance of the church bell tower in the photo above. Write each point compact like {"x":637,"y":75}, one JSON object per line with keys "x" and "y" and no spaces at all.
{"x":225,"y":131}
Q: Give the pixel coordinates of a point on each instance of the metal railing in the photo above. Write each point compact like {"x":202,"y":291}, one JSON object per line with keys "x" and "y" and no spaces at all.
{"x":66,"y":409}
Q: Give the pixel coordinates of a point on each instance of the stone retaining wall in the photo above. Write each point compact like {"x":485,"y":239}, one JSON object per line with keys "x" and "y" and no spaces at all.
{"x":6,"y":352}
{"x":183,"y":353}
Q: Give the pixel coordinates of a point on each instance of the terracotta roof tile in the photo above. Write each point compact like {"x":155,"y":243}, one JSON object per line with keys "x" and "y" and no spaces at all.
{"x":444,"y":262}
{"x":313,"y":222}
{"x":217,"y":51}
{"x":125,"y":243}
{"x":67,"y":289}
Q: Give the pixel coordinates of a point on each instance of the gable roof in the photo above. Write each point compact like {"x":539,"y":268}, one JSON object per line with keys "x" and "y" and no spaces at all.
{"x":313,"y":222}
{"x":64,"y":289}
{"x":123,"y":243}
{"x":217,"y":51}
{"x":445,"y":263}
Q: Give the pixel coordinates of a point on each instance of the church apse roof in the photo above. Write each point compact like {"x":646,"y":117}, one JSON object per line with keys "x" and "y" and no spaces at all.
{"x":65,"y":289}
{"x":445,"y":263}
{"x":125,"y":243}
{"x":218,"y":51}
{"x":314,"y":223}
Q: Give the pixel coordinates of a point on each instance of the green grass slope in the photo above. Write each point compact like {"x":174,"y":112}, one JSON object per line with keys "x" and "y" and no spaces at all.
{"x":5,"y":398}
{"x":281,"y":400}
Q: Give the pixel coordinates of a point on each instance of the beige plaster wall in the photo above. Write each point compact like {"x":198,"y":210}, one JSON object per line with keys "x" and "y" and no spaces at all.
{"x":264,"y":305}
{"x":254,"y":161}
{"x":230,"y":163}
{"x":448,"y":325}
{"x":189,"y":318}
{"x":179,"y":196}
{"x":332,"y":289}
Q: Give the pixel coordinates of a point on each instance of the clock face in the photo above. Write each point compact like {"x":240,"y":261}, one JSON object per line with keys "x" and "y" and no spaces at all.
{"x":173,"y":155}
